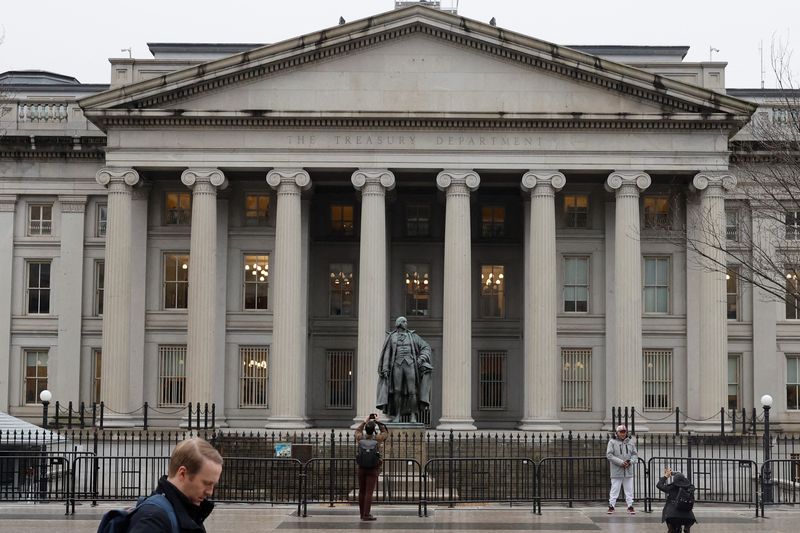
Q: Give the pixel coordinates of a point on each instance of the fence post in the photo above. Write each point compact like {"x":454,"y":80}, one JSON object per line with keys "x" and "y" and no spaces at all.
{"x":689,"y":455}
{"x":94,"y":414}
{"x":102,"y":413}
{"x":83,"y":414}
{"x":332,"y":469}
{"x":95,"y":464}
{"x":69,"y":415}
{"x":744,"y":421}
{"x":677,"y":421}
{"x":197,"y":414}
{"x":754,"y":419}
{"x":205,"y":416}
{"x":633,"y":421}
{"x":626,"y":416}
{"x":58,"y":408}
{"x":213,"y":415}
{"x":722,"y":421}
{"x":145,"y":416}
{"x":451,"y":445}
{"x":570,"y":470}
{"x":190,"y":416}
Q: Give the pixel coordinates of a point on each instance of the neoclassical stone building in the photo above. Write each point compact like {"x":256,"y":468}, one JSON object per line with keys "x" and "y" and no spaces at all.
{"x":241,"y":224}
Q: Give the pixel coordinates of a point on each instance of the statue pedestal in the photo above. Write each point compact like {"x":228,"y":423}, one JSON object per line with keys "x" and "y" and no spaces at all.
{"x":406,"y":441}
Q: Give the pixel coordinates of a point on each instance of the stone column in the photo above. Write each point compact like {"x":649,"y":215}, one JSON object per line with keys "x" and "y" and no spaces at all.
{"x":713,"y":320}
{"x":626,"y":363}
{"x":287,"y":391}
{"x":457,"y":321}
{"x":201,"y":346}
{"x":541,"y":304}
{"x":373,"y":288}
{"x":69,"y":280}
{"x":117,"y":295}
{"x":8,"y":204}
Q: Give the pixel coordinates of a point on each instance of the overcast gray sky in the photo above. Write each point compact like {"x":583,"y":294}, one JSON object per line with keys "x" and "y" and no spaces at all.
{"x":76,"y":37}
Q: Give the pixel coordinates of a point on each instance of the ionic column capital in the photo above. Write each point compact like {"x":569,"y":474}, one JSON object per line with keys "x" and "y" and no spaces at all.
{"x":714,"y":182}
{"x":295,"y":178}
{"x":628,"y":182}
{"x":8,"y":203}
{"x":108,"y":175}
{"x":72,"y":204}
{"x":195,"y":178}
{"x":452,"y":181}
{"x":364,"y":177}
{"x":547,"y":181}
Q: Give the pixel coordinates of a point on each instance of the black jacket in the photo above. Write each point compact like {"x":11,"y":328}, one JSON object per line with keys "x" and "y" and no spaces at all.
{"x":670,"y":511}
{"x":152,"y":519}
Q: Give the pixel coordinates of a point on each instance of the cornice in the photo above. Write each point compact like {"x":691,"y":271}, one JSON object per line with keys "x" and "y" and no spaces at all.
{"x":707,"y":123}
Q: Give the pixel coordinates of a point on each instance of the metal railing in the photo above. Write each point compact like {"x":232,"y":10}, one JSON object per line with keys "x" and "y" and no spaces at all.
{"x":780,"y":482}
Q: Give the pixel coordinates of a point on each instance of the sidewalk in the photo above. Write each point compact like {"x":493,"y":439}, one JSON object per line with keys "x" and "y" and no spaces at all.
{"x":230,"y":518}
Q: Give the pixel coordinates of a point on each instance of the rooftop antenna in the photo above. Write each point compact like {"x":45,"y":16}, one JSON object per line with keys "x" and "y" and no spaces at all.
{"x":711,"y":50}
{"x":130,"y":56}
{"x":761,"y":54}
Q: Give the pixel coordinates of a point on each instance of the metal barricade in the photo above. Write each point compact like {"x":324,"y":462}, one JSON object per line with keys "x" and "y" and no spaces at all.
{"x":579,"y":479}
{"x":716,"y":480}
{"x":335,"y":481}
{"x":116,"y":478}
{"x":780,"y":482}
{"x":38,"y":476}
{"x":469,"y":479}
{"x":274,"y":480}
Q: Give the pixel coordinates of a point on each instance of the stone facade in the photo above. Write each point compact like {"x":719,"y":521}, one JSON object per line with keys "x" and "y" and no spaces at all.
{"x":514,"y":199}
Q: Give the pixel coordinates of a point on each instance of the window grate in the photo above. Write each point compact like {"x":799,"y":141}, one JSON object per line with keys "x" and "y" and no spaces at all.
{"x":254,"y":376}
{"x":339,"y":379}
{"x":492,"y":381}
{"x":657,"y":380}
{"x":172,"y":375}
{"x":576,"y":379}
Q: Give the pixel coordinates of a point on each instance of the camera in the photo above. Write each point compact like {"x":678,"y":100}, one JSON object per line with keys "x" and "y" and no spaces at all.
{"x":373,"y":416}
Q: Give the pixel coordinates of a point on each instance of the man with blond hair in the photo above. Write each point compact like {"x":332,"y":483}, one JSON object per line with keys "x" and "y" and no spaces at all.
{"x":194,"y":470}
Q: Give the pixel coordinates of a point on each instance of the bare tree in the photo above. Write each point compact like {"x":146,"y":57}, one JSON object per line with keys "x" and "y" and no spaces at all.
{"x":762,"y":234}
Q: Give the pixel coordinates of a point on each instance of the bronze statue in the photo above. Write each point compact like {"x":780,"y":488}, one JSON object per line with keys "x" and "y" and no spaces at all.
{"x":404,"y":370}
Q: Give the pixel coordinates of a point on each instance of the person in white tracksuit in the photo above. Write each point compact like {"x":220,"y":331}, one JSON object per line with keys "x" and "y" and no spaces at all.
{"x":622,"y":458}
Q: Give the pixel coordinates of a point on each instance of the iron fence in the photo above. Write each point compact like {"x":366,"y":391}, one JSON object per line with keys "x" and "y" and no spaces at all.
{"x":780,"y":482}
{"x":729,"y":481}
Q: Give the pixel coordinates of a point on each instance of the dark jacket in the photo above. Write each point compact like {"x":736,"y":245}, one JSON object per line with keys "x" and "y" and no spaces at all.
{"x":152,"y":519}
{"x":670,"y":511}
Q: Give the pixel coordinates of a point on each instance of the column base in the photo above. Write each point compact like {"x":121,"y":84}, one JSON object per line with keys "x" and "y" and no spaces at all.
{"x":116,"y":421}
{"x":706,"y":426}
{"x":287,"y":422}
{"x":456,"y":424}
{"x":542,"y":426}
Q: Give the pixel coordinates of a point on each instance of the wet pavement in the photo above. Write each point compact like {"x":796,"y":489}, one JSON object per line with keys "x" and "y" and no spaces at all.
{"x":229,"y":518}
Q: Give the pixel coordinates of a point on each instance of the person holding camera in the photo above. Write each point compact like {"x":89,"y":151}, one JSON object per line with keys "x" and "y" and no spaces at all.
{"x":369,"y":435}
{"x":622,"y":457}
{"x":677,"y":511}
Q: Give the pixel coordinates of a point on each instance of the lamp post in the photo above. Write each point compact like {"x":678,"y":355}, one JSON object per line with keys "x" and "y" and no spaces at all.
{"x":45,"y":396}
{"x":766,"y":480}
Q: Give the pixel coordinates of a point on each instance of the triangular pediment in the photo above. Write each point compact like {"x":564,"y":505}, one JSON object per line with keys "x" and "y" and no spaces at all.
{"x":414,"y":62}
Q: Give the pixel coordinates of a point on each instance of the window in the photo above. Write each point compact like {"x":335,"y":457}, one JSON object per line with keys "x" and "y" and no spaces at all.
{"x":40,"y":219}
{"x":418,"y":290}
{"x":339,"y":379}
{"x":656,"y":284}
{"x":99,"y":285}
{"x":576,"y":379}
{"x":493,"y":282}
{"x":792,"y":295}
{"x":256,"y":209}
{"x":732,"y":283}
{"x":97,"y":372}
{"x":418,"y":220}
{"x":342,"y":220}
{"x":102,"y":220}
{"x":256,"y":282}
{"x":734,"y":381}
{"x":732,"y":225}
{"x":576,"y":211}
{"x":178,"y":208}
{"x":35,"y":374}
{"x":176,"y":281}
{"x":657,"y":368}
{"x":39,"y":287}
{"x":253,"y":376}
{"x":340,"y":289}
{"x":492,"y":385}
{"x":493,"y":222}
{"x":576,"y":284}
{"x":792,"y":225}
{"x":793,"y":382}
{"x":171,"y":376}
{"x":656,"y":212}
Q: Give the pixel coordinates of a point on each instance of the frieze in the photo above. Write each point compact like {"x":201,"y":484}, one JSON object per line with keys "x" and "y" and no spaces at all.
{"x":413,"y":141}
